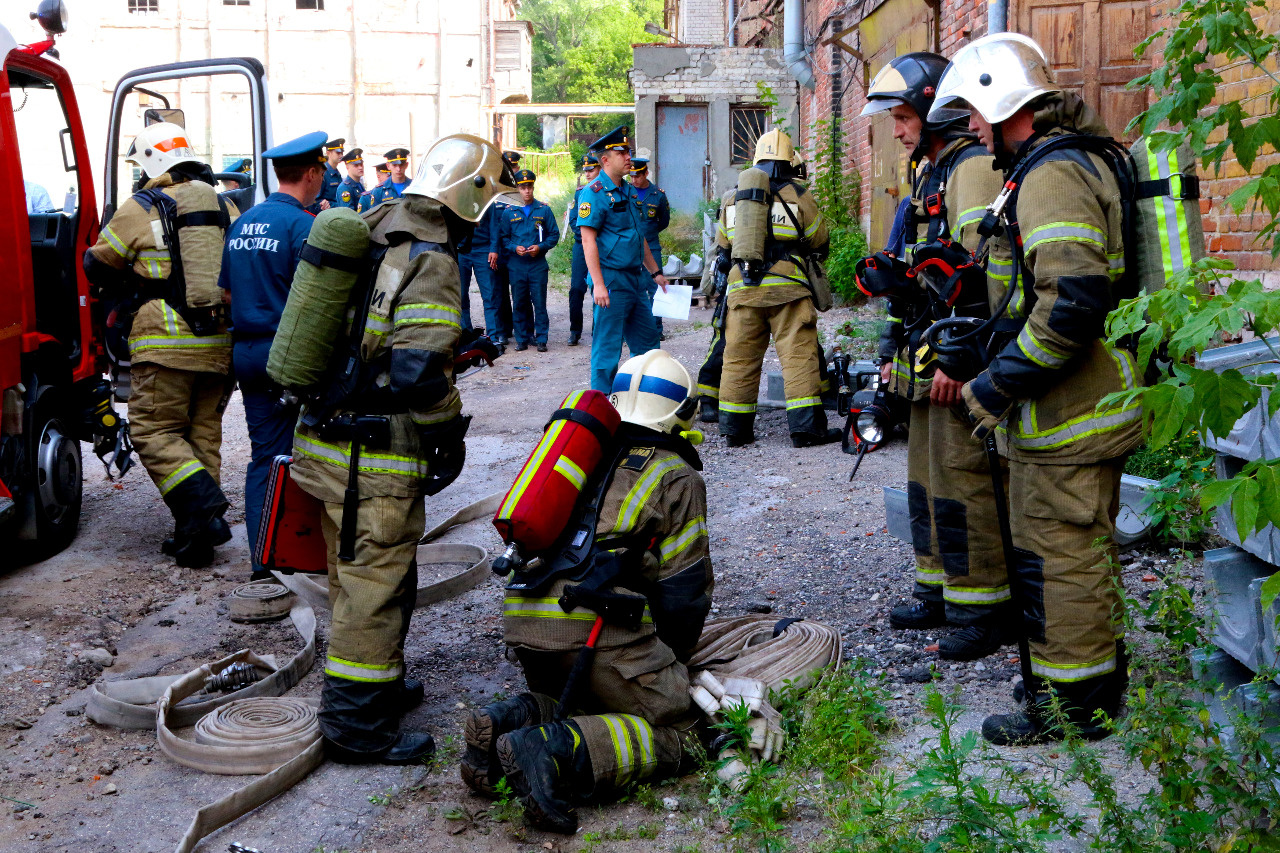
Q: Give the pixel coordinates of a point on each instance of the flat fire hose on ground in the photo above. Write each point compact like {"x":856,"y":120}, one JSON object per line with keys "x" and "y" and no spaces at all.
{"x":254,"y":730}
{"x":740,"y":660}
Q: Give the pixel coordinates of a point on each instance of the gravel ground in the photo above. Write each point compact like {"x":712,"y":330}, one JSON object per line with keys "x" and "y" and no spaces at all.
{"x":790,"y":535}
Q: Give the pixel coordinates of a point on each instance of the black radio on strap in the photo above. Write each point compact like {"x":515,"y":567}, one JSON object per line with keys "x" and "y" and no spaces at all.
{"x":318,"y":257}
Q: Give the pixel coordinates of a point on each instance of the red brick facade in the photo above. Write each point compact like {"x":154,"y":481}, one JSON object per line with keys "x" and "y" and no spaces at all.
{"x":956,"y":23}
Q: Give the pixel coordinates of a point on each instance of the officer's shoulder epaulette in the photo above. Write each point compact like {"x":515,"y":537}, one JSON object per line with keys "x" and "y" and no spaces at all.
{"x":637,"y":458}
{"x":597,"y":186}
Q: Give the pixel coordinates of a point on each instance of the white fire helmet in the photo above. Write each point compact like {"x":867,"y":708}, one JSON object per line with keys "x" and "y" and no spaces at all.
{"x":160,"y":147}
{"x":464,"y":173}
{"x":996,"y":75}
{"x":653,"y":390}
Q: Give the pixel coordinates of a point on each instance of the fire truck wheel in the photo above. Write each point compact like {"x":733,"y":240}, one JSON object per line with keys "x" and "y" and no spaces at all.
{"x":57,"y":476}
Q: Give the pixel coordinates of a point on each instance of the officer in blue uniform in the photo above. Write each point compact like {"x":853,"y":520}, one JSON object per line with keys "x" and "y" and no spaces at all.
{"x":332,"y":177}
{"x":352,"y":186}
{"x":498,"y":253}
{"x":262,"y":250}
{"x":655,"y":212}
{"x":243,"y":166}
{"x":578,"y":268}
{"x":394,"y":186}
{"x":619,"y":262}
{"x":382,"y":173}
{"x":528,"y":232}
{"x":476,"y":256}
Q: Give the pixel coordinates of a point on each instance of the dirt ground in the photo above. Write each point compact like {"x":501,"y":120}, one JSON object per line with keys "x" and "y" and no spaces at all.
{"x":790,"y":535}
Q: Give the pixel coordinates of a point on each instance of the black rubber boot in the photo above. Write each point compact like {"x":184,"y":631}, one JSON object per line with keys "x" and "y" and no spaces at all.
{"x":740,"y":439}
{"x":738,"y":428}
{"x":197,"y":503}
{"x":481,"y":770}
{"x":574,"y":337}
{"x":411,"y":695}
{"x":808,"y":439}
{"x":360,"y":722}
{"x":550,"y":771}
{"x":193,"y":552}
{"x":710,"y":410}
{"x":1037,"y":723}
{"x":219,"y":531}
{"x":971,"y":642}
{"x":407,"y":748}
{"x":917,"y":615}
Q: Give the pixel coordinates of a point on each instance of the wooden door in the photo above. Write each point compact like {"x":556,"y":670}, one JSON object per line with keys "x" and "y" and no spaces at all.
{"x":1089,"y":44}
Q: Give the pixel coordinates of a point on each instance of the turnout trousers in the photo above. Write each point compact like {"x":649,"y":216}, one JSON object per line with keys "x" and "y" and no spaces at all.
{"x":1069,"y":588}
{"x":793,"y":326}
{"x":713,"y":364}
{"x":175,"y":422}
{"x":372,"y":598}
{"x":636,"y":719}
{"x":955,"y":531}
{"x":629,"y":317}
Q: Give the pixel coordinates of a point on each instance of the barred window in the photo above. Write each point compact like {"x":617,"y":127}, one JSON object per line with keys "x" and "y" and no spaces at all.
{"x":317,"y":5}
{"x":144,"y":7}
{"x":746,"y":124}
{"x":235,"y":2}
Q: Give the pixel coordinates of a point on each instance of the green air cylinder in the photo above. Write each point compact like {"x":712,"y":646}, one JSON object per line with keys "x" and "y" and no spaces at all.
{"x":200,"y":246}
{"x":1168,"y":230}
{"x":751,"y":216}
{"x":315,"y":314}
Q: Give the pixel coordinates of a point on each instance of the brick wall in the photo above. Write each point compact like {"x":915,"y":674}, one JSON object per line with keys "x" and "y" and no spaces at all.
{"x":701,"y":21}
{"x":706,"y":73}
{"x":959,"y":22}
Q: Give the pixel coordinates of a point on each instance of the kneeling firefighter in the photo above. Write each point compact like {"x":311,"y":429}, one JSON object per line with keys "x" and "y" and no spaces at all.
{"x":603,"y":619}
{"x":382,"y":431}
{"x":158,"y":260}
{"x":960,"y":564}
{"x":772,"y":231}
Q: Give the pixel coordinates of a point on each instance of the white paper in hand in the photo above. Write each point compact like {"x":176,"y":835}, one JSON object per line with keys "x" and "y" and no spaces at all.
{"x":674,"y":302}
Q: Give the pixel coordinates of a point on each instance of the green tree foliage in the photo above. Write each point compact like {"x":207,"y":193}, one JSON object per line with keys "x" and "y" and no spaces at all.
{"x":1206,"y":38}
{"x":582,"y":48}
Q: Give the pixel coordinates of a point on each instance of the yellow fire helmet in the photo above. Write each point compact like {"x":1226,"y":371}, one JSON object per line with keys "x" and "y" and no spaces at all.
{"x":653,"y":390}
{"x":464,"y":173}
{"x":774,"y":145}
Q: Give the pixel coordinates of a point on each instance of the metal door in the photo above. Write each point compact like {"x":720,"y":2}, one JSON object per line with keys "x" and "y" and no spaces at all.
{"x":682,"y":155}
{"x":1089,"y":44}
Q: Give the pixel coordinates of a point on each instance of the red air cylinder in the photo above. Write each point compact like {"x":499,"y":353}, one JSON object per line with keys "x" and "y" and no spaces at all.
{"x":539,"y":503}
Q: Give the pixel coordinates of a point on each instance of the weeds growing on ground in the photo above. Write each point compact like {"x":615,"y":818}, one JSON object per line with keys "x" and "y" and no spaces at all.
{"x":1212,"y":785}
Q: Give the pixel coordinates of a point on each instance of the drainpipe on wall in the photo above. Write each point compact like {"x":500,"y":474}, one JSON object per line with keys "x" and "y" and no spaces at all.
{"x":794,"y":53}
{"x":997,"y":16}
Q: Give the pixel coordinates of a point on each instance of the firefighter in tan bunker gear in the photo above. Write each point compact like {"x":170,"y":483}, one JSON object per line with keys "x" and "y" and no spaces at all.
{"x":632,"y":719}
{"x":771,"y":228}
{"x":960,"y":572}
{"x":394,"y":431}
{"x":1065,"y":455}
{"x":160,"y":255}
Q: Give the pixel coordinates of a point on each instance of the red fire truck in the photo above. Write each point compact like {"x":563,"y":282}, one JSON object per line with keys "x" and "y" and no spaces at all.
{"x":56,"y":345}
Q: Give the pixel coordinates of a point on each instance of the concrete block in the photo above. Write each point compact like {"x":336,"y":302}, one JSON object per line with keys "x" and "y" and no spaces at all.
{"x":896,"y":517}
{"x":1133,"y":523}
{"x":1237,"y":623}
{"x":1265,"y":543}
{"x":1227,"y":688}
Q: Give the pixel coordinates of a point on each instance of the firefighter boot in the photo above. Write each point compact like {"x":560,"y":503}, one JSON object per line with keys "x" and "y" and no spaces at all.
{"x":921,"y":614}
{"x":360,"y":722}
{"x":709,"y":410}
{"x":219,"y":533}
{"x":481,"y":769}
{"x":972,"y":642}
{"x":550,"y":771}
{"x":1079,"y":703}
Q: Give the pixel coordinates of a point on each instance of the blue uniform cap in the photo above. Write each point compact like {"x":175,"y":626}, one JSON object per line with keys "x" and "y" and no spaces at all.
{"x":334,"y":144}
{"x":398,"y":155}
{"x":524,"y":176}
{"x":355,"y":155}
{"x":590,"y":160}
{"x":244,"y":165}
{"x":306,"y":150}
{"x":614,"y":140}
{"x":639,"y":164}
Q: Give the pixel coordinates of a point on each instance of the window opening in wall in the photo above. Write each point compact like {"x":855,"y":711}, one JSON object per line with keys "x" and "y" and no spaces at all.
{"x":746,"y":124}
{"x":318,"y":5}
{"x":235,"y":2}
{"x":143,"y":7}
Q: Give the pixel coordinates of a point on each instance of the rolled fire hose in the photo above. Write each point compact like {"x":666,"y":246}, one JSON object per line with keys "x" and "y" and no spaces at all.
{"x":260,"y":602}
{"x":255,"y":730}
{"x":754,"y":647}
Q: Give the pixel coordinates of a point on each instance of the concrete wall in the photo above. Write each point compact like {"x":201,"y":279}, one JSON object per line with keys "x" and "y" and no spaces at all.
{"x":380,"y":73}
{"x":720,"y":77}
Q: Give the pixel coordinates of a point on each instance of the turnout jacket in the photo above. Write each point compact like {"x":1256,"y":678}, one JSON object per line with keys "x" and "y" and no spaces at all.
{"x":971,"y":185}
{"x":134,"y":241}
{"x":1049,"y":380}
{"x":413,"y":325}
{"x":785,"y":279}
{"x":658,"y":500}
